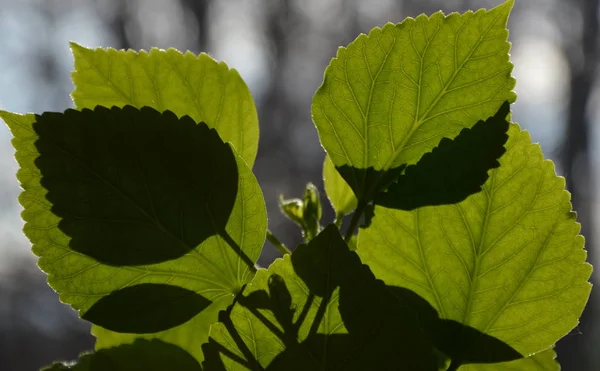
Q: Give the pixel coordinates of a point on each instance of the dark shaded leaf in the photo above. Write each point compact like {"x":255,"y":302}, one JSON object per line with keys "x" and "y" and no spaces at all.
{"x":367,"y":182}
{"x":135,"y":187}
{"x":142,"y":355}
{"x":146,"y":308}
{"x":462,"y":344}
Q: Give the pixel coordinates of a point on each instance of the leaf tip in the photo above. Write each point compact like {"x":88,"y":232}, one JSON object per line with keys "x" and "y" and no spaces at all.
{"x":505,"y":8}
{"x":77,"y":48}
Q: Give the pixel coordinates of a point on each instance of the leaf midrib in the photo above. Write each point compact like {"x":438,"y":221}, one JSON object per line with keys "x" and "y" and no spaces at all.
{"x":478,"y":251}
{"x":420,"y":120}
{"x":481,"y":254}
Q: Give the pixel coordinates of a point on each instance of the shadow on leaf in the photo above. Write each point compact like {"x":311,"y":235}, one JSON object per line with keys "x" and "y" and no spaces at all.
{"x":142,"y":355}
{"x":388,"y":328}
{"x":454,"y":170}
{"x":135,"y":186}
{"x":462,"y":344}
{"x":146,"y":308}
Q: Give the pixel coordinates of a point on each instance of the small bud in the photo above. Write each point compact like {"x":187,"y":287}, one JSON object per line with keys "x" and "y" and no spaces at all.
{"x":293,"y":209}
{"x":312,"y":212}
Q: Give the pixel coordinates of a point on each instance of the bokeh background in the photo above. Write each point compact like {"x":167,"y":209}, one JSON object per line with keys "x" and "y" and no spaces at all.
{"x":281,"y":48}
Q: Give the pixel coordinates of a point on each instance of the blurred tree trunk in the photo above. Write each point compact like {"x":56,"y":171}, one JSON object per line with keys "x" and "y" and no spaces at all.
{"x":275,"y":107}
{"x":275,"y":113}
{"x":199,"y":9}
{"x":576,"y":352}
{"x":118,"y":23}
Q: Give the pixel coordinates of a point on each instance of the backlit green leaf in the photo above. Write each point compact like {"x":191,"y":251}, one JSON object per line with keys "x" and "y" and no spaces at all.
{"x":389,"y":97}
{"x":211,"y":269}
{"x":507,"y":261}
{"x":186,"y":84}
{"x":340,"y":194}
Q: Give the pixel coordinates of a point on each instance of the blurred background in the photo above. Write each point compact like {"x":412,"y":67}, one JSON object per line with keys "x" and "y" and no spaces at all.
{"x":281,"y":48}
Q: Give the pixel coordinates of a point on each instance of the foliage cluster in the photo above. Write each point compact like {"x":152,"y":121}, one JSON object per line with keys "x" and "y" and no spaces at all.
{"x":461,"y":250}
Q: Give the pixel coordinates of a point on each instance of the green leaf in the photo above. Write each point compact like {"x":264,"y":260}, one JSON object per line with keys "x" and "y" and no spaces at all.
{"x":211,"y":269}
{"x":543,"y":361}
{"x":143,"y":355}
{"x":389,"y":97}
{"x":293,"y":208}
{"x":186,"y":84}
{"x":305,"y":212}
{"x":507,"y":261}
{"x":321,"y":309}
{"x":312,"y":212}
{"x":340,"y":194}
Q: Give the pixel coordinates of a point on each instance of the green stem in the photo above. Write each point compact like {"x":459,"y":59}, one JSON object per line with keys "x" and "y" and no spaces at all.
{"x":278,"y":244}
{"x":339,"y":218}
{"x":355,"y":219}
{"x":238,"y":250}
{"x":454,"y":366}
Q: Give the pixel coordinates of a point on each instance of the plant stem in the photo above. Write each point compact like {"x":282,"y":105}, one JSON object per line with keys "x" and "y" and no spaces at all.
{"x":354,"y":222}
{"x":339,"y":218}
{"x":454,"y":366}
{"x":238,"y":250}
{"x":278,"y":244}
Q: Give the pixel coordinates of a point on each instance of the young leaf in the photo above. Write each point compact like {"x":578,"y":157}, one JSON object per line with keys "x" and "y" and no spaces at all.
{"x":507,"y":261}
{"x":143,"y":355}
{"x":186,"y":84}
{"x":212,"y":269}
{"x":389,"y":97}
{"x":293,"y":208}
{"x":312,"y":212}
{"x":305,"y":212}
{"x":340,"y":194}
{"x":321,"y":309}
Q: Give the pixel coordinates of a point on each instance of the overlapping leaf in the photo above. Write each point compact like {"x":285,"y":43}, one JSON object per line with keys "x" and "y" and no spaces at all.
{"x":389,"y":97}
{"x":107,"y":194}
{"x":186,"y":84}
{"x":507,"y":261}
{"x":339,"y":193}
